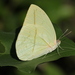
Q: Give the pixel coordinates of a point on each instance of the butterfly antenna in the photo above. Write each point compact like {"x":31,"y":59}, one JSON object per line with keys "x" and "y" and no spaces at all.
{"x":63,"y":34}
{"x":66,"y":34}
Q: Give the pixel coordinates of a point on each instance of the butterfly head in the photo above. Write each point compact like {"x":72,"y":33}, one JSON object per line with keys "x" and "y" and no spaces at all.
{"x":58,"y":42}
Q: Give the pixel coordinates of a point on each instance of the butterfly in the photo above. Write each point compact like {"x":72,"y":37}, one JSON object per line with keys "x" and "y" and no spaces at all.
{"x":37,"y":36}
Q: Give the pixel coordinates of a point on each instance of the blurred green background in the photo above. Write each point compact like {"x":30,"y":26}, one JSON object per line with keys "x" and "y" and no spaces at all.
{"x":61,"y":13}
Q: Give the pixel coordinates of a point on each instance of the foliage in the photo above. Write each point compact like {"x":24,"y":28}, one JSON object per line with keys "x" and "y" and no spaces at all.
{"x":9,"y":58}
{"x":12,"y":14}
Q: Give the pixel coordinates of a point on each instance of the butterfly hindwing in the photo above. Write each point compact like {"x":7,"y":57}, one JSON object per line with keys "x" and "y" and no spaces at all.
{"x":37,"y":35}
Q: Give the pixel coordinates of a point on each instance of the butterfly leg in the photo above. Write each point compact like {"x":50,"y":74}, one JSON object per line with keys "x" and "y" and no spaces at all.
{"x":61,"y":47}
{"x":58,"y":51}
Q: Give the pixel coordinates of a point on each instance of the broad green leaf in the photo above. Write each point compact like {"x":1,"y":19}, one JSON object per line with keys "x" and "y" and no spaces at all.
{"x":9,"y":58}
{"x":7,"y":39}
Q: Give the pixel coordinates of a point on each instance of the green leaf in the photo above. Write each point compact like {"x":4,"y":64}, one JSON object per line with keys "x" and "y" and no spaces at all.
{"x":7,"y":39}
{"x":9,"y":58}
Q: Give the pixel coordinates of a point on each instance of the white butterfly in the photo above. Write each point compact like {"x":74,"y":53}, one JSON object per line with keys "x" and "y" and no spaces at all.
{"x":37,"y":36}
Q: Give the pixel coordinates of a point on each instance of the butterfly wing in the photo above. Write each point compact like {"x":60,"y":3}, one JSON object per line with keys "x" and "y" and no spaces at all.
{"x":36,"y":35}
